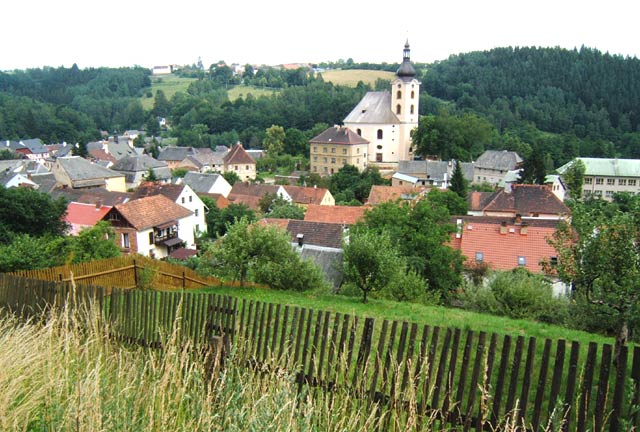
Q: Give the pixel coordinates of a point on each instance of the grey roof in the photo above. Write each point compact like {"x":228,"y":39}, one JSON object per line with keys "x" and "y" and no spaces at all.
{"x":10,"y":165}
{"x":375,"y":107}
{"x":65,"y":150}
{"x":339,"y":135}
{"x":46,"y":182}
{"x":176,"y":153}
{"x":501,"y":160}
{"x":329,"y":260}
{"x":120,"y":149}
{"x":79,"y":169}
{"x":137,"y":163}
{"x":434,"y":170}
{"x":200,"y":183}
{"x":34,"y":145}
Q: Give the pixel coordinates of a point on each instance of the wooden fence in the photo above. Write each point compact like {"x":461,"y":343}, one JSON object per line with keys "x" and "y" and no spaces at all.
{"x":127,"y":271}
{"x":462,"y":379}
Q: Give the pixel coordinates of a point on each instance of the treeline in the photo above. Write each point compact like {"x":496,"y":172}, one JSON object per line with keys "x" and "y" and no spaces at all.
{"x":70,"y":104}
{"x":564,"y":102}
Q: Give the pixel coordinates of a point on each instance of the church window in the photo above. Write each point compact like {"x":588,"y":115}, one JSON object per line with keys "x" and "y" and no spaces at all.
{"x":413,"y":94}
{"x":399,"y":95}
{"x":398,"y":109}
{"x":359,"y":131}
{"x":379,"y":147}
{"x":379,"y":133}
{"x":411,"y":109}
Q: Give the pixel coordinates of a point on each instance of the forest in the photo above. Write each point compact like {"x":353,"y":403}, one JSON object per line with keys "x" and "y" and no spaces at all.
{"x":550,"y":102}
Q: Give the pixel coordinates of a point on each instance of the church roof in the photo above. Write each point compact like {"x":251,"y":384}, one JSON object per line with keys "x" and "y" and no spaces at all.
{"x":406,"y":69}
{"x":375,"y":107}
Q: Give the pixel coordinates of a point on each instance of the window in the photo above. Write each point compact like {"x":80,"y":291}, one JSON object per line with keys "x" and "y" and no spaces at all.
{"x":324,"y":160}
{"x":398,"y":109}
{"x":183,"y":200}
{"x":632,"y":182}
{"x":479,"y":256}
{"x":608,"y":194}
{"x":411,"y":109}
{"x":379,"y":133}
{"x":357,"y":150}
{"x":588,"y":180}
{"x":151,"y":238}
{"x":357,"y":161}
{"x":315,"y":158}
{"x":196,"y":212}
{"x":344,"y":151}
{"x":399,"y":95}
{"x":114,"y":216}
{"x":333,"y":160}
{"x":125,"y":241}
{"x":611,"y":182}
{"x":315,"y":168}
{"x":359,"y":132}
{"x":399,"y":86}
{"x":190,"y":198}
{"x":522,"y":261}
{"x":197,"y":227}
{"x":344,"y":161}
{"x":622,"y":182}
{"x":326,"y":170}
{"x":413,"y":94}
{"x":598,"y":193}
{"x":236,"y":167}
{"x":246,"y":167}
{"x":553,"y":260}
{"x":315,"y":149}
{"x":333,"y":149}
{"x":324,"y":149}
{"x":599,"y":180}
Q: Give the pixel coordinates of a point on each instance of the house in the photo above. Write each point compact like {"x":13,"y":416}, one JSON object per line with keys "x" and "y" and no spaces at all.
{"x":10,"y":179}
{"x":204,"y":161}
{"x":80,"y":216}
{"x":173,"y":156}
{"x":557,"y":186}
{"x":304,"y":196}
{"x":605,"y":177}
{"x":336,"y":147}
{"x":250,"y":194}
{"x":505,"y":243}
{"x":344,"y":215}
{"x":78,"y":173}
{"x":492,"y":166}
{"x":429,"y":173}
{"x":152,"y":226}
{"x":529,"y":201}
{"x":32,"y":149}
{"x":317,"y":241}
{"x":240,"y":162}
{"x":116,"y":147}
{"x":136,"y":169}
{"x":207,"y":183}
{"x":386,"y":119}
{"x":98,"y":155}
{"x":182,"y":195}
{"x":380,"y":194}
{"x":95,"y":196}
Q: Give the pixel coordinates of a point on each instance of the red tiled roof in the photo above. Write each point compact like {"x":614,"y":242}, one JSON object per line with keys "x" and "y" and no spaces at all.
{"x":249,"y":200}
{"x":501,"y":250}
{"x":99,"y":154}
{"x":348,"y":215}
{"x":306,"y":195}
{"x":183,"y":253}
{"x":221,"y":201}
{"x":237,"y":155}
{"x":523,"y":199}
{"x":85,"y":214}
{"x":151,"y":211}
{"x":257,"y":190}
{"x":380,"y":194}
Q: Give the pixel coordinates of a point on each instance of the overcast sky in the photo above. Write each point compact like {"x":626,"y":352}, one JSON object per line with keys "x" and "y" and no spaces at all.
{"x":38,"y":33}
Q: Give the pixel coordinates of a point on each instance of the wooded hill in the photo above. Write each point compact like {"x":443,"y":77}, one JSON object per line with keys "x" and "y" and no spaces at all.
{"x":562,"y":103}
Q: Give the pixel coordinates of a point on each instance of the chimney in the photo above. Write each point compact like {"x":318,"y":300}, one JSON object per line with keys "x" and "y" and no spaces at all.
{"x":98,"y":204}
{"x":503,"y":227}
{"x":524,"y":228}
{"x":300,"y":238}
{"x":518,"y":219}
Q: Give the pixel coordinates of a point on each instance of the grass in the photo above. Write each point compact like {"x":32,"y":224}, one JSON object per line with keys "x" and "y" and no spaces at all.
{"x":351,"y":77}
{"x":415,"y":313}
{"x":241,"y":91}
{"x":169,"y":84}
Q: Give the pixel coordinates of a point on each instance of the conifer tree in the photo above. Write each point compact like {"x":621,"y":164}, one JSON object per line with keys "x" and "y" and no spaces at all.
{"x":458,"y":182}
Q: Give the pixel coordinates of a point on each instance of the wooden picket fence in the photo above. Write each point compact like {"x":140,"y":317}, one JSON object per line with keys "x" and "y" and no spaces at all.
{"x":458,"y":379}
{"x":127,"y":271}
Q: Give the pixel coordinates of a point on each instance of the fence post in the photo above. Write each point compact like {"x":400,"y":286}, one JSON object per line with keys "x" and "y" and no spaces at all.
{"x":135,"y":273}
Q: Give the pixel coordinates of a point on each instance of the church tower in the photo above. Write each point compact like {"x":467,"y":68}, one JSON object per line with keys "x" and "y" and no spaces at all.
{"x":405,"y":99}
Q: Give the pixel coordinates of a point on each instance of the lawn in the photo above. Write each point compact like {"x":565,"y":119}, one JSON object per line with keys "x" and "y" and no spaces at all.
{"x":415,"y":313}
{"x":351,"y":77}
{"x":169,"y":84}
{"x":241,"y":91}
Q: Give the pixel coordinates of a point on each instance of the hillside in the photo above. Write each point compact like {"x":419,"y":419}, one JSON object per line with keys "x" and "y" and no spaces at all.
{"x":169,"y":84}
{"x":351,"y":77}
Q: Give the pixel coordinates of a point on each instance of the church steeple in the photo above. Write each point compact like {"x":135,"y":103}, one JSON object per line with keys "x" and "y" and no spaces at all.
{"x":406,"y":69}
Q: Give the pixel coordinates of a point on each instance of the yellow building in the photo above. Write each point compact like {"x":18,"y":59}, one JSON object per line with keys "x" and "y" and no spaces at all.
{"x":336,"y":147}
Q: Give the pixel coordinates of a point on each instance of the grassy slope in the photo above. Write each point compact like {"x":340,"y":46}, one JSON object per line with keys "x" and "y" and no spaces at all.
{"x":169,"y":84}
{"x":411,"y":312}
{"x":351,"y":77}
{"x":242,"y":91}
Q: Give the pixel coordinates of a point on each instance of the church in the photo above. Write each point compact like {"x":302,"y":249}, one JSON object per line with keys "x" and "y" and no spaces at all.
{"x":386,"y":118}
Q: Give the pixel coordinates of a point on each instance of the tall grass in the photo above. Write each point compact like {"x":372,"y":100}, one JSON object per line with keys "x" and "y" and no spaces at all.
{"x":65,"y":373}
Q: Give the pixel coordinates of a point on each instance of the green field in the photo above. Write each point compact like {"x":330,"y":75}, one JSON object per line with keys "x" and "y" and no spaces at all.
{"x":415,"y":313}
{"x":169,"y":84}
{"x":242,"y":91}
{"x":351,"y":77}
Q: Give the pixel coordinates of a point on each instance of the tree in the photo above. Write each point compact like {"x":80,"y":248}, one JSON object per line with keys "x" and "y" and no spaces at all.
{"x":370,"y":261}
{"x":286,"y":210}
{"x":458,"y":182}
{"x":573,"y":177}
{"x":231,"y":177}
{"x":599,"y":255}
{"x":274,"y":140}
{"x":161,"y":105}
{"x":449,"y":200}
{"x":151,"y":175}
{"x":534,"y":170}
{"x":94,"y":243}
{"x":80,"y":149}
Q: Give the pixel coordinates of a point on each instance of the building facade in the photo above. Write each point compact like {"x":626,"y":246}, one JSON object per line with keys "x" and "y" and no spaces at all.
{"x":605,"y":177}
{"x":336,"y":147}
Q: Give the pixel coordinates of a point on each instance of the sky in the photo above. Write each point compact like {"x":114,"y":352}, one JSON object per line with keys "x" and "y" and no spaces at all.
{"x":37,"y":33}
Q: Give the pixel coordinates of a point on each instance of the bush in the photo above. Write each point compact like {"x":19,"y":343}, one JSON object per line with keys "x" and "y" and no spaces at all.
{"x":518,"y":294}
